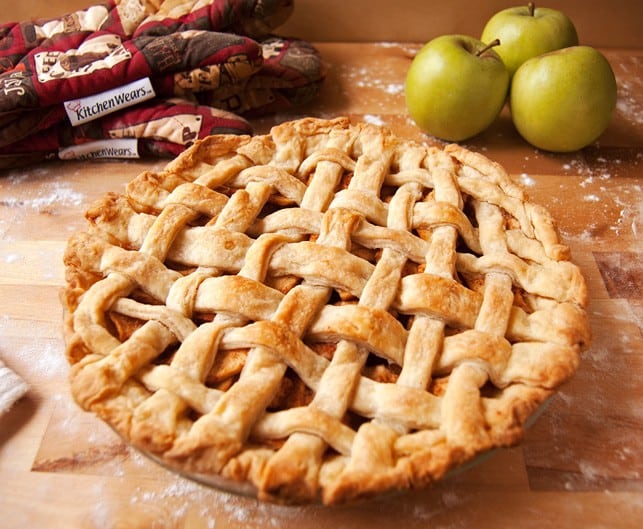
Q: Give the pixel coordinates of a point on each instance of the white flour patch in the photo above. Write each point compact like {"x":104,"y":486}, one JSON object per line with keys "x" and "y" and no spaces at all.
{"x":373,"y":119}
{"x":527,"y":180}
{"x":589,"y":471}
{"x":627,"y":106}
{"x":363,"y":77}
{"x":588,"y":234}
{"x":50,"y":194}
{"x":43,"y":358}
{"x":394,"y":88}
{"x":183,"y":499}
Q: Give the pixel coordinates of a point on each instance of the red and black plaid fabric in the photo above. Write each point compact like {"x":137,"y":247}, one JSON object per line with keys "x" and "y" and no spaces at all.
{"x":128,"y":19}
{"x":217,"y":57}
{"x":44,"y":77}
{"x":162,"y":128}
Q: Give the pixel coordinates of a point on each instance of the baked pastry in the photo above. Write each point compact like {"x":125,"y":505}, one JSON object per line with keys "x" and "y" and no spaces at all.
{"x":325,"y":312}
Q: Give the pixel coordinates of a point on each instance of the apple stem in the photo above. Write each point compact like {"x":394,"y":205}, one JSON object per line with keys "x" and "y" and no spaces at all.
{"x":493,"y":43}
{"x":532,"y":8}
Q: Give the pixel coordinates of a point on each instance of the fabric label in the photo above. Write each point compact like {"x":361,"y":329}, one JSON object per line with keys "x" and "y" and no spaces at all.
{"x":91,"y":107}
{"x":93,"y":150}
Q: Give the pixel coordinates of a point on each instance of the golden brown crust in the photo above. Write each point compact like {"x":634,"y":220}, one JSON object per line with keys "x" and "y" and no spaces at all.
{"x":326,"y":312}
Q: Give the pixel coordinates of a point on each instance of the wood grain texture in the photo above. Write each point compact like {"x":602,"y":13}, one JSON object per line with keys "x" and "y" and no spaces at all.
{"x":581,"y":464}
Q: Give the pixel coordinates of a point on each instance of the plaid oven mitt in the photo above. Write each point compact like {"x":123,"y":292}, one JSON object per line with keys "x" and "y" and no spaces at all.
{"x":159,"y":128}
{"x":100,"y":73}
{"x":131,"y":18}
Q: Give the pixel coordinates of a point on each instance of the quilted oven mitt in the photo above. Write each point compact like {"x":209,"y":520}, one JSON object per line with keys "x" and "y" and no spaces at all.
{"x":169,"y":55}
{"x":159,"y":128}
{"x":132,"y":18}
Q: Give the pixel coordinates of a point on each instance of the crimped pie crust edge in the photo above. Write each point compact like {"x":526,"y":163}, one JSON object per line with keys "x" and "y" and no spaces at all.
{"x":525,"y":345}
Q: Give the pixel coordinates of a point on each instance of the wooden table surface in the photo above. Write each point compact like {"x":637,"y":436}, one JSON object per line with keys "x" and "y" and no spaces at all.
{"x":581,"y":465}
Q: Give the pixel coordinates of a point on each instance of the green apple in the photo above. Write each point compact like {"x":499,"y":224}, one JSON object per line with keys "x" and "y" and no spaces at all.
{"x":527,"y":31}
{"x":456,"y":87}
{"x":562,"y":101}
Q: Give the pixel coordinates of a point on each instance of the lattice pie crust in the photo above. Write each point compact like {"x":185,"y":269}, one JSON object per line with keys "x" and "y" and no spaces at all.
{"x":325,"y":312}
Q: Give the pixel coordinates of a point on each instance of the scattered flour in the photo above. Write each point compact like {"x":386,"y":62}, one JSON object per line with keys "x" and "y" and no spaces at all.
{"x":40,"y":358}
{"x":46,"y":358}
{"x":394,"y":88}
{"x":527,"y":180}
{"x":184,"y":500}
{"x":627,"y":105}
{"x":50,"y":194}
{"x":388,"y":44}
{"x":373,"y":119}
{"x":363,"y":77}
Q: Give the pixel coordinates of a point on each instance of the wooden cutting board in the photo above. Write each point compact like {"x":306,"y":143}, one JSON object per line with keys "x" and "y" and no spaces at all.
{"x":580,"y":465}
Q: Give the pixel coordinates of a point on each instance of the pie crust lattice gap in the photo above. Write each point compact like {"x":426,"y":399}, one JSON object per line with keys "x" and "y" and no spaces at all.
{"x":325,"y":312}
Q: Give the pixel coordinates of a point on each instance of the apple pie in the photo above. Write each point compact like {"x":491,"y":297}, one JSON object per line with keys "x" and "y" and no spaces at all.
{"x":322,"y":313}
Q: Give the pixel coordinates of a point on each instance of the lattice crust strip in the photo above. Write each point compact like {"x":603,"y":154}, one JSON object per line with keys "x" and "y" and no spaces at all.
{"x":325,"y":312}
